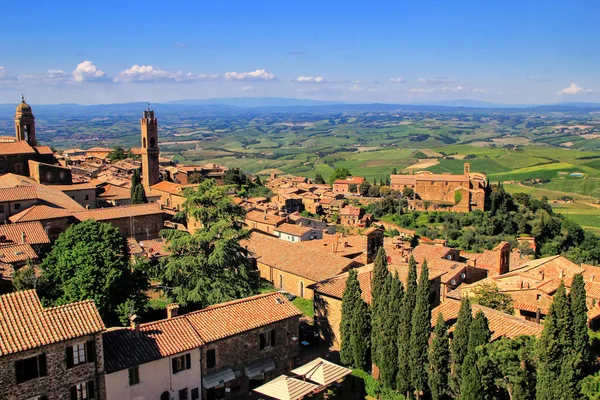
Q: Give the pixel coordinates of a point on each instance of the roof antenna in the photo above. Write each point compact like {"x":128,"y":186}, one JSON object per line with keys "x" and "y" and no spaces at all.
{"x":22,"y":98}
{"x":148,"y":106}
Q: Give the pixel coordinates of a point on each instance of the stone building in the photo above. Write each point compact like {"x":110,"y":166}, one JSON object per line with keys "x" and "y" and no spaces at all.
{"x":16,"y":153}
{"x":50,"y":353}
{"x":297,"y":233}
{"x":150,"y":149}
{"x":343,"y":186}
{"x":263,"y":222}
{"x":461,"y":193}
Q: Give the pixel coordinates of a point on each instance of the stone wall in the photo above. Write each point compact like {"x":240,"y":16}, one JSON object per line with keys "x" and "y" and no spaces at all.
{"x":56,"y":385}
{"x":50,"y":174}
{"x":238,"y":351}
{"x":287,"y":281}
{"x":153,"y":223}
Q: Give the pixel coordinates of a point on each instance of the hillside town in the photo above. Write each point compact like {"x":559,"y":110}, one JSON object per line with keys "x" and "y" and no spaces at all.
{"x":124,"y":275}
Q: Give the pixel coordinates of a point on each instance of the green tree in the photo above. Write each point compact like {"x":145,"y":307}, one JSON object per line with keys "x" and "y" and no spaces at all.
{"x":258,"y":181}
{"x":581,"y":339}
{"x":90,"y":260}
{"x":25,"y":278}
{"x":394,"y":171}
{"x":350,"y":302}
{"x":408,"y":304}
{"x":319,"y":179}
{"x":388,"y":354}
{"x":489,"y":295}
{"x":460,"y":344}
{"x":361,"y":332}
{"x":210,"y":265}
{"x":363,"y":188}
{"x":472,"y":387}
{"x":137,"y":192}
{"x":118,"y":154}
{"x":195,"y":177}
{"x":419,"y":334}
{"x":408,"y":193}
{"x":439,"y":361}
{"x":379,"y":285}
{"x":339,"y":173}
{"x":590,"y":387}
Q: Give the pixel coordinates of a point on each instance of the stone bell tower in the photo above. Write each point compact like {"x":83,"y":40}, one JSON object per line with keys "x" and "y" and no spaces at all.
{"x":150,"y":150}
{"x":25,"y":123}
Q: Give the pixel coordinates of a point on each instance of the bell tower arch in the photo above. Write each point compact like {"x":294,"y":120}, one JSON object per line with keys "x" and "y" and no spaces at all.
{"x":25,"y":123}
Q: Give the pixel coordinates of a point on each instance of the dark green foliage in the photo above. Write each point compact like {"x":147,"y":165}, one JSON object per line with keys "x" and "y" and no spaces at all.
{"x":235,"y":177}
{"x":363,"y":188}
{"x":258,"y":181}
{"x":361,"y":331}
{"x":590,"y":387}
{"x":374,"y":389}
{"x":408,"y":193}
{"x":209,"y":266}
{"x":408,"y":304}
{"x":472,"y":386}
{"x":137,"y":192}
{"x":195,"y":177}
{"x":24,"y":278}
{"x":90,"y":260}
{"x":439,"y":361}
{"x":489,"y":295}
{"x":479,"y":333}
{"x":118,"y":154}
{"x":319,"y":179}
{"x":460,"y":344}
{"x":350,"y":301}
{"x":581,"y":338}
{"x":379,"y":298}
{"x":392,"y":310}
{"x":394,"y":171}
{"x":419,"y":334}
{"x":339,"y":173}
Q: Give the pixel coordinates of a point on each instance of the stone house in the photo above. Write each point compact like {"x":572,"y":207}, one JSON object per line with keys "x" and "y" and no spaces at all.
{"x":297,"y":233}
{"x":83,"y":193}
{"x":50,"y":353}
{"x":293,"y":267}
{"x":342,"y":186}
{"x":263,"y":222}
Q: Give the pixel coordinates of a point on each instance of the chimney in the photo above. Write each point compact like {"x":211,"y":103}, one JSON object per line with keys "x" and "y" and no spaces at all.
{"x":135,"y":324}
{"x":561,"y":274}
{"x":172,"y":310}
{"x":23,"y":238}
{"x":542,"y":275}
{"x":538,"y":315}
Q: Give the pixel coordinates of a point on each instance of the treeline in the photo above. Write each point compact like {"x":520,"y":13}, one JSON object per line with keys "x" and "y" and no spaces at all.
{"x":394,"y":334}
{"x":509,"y":216}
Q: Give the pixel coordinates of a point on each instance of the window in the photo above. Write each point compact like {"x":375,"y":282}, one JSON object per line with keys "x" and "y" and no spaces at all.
{"x":538,"y":297}
{"x":195,"y":394}
{"x":211,"y":358}
{"x":181,"y":363}
{"x":80,"y":353}
{"x":134,"y":376}
{"x":87,"y":196}
{"x":30,"y":368}
{"x":301,"y":289}
{"x":17,"y":206}
{"x":83,"y":391}
{"x":1,"y":208}
{"x":164,"y":396}
{"x":183,"y":394}
{"x":267,"y":339}
{"x":281,"y":282}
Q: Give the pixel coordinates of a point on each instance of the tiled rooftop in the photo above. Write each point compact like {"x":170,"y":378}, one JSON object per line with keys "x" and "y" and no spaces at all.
{"x":34,"y":233}
{"x":39,"y":213}
{"x":103,"y":214}
{"x":17,"y":193}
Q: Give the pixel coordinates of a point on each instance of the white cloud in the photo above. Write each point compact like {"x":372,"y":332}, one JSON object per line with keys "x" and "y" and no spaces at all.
{"x":355,"y":88}
{"x":86,"y":71}
{"x":310,"y":79}
{"x":397,"y":80}
{"x":438,"y":81}
{"x":462,"y":88}
{"x":147,"y":73}
{"x":258,"y":75}
{"x":575,"y":89}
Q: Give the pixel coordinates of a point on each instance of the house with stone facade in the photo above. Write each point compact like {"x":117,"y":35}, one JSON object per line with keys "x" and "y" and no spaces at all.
{"x":50,"y":353}
{"x":220,"y":352}
{"x":263,"y":221}
{"x":297,"y":233}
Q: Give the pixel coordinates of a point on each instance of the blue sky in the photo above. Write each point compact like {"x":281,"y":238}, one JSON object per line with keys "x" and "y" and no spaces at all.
{"x":507,"y":51}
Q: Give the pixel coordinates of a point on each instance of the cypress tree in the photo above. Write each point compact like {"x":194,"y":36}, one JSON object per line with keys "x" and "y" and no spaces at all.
{"x":350,"y":301}
{"x":389,"y":350}
{"x":361,"y":331}
{"x":419,"y":334}
{"x":472,"y":387}
{"x":408,"y":304}
{"x":439,"y":361}
{"x":581,"y":340}
{"x":378,"y":303}
{"x":460,"y":344}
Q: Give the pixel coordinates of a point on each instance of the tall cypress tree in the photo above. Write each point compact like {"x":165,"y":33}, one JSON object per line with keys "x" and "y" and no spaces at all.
{"x":389,"y":349}
{"x":419,"y":334}
{"x":472,"y":387}
{"x":408,"y":304}
{"x":378,"y":303}
{"x":350,"y":302}
{"x":439,"y":361}
{"x":581,"y":340}
{"x":137,"y":193}
{"x":361,"y":332}
{"x":557,"y":360}
{"x":460,"y":344}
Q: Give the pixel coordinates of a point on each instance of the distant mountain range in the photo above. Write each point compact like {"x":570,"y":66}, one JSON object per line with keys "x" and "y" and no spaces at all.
{"x":261,"y":105}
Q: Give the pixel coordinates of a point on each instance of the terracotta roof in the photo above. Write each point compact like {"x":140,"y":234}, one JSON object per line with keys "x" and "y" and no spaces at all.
{"x":441,"y":177}
{"x":114,"y":192}
{"x":25,"y":324}
{"x":34,"y":233}
{"x":552,"y":267}
{"x":292,"y":229}
{"x":168,"y":187}
{"x":18,"y":147}
{"x":17,"y":193}
{"x":264,"y":218}
{"x":155,"y":247}
{"x":43,"y":150}
{"x":350,"y":180}
{"x":14,"y":253}
{"x":501,"y":324}
{"x":39,"y":213}
{"x":350,"y":210}
{"x":295,"y":258}
{"x":124,"y":348}
{"x":134,"y":210}
{"x":45,"y":194}
{"x":345,"y":246}
{"x":430,"y":252}
{"x":75,"y":186}
{"x":134,"y":246}
{"x":334,"y":287}
{"x":101,"y":149}
{"x":525,"y":306}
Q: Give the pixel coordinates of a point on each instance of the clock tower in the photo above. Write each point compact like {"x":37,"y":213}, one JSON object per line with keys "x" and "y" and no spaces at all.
{"x":150,"y":150}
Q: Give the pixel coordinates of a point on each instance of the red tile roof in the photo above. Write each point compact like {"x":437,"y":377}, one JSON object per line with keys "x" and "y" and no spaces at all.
{"x":17,"y":193}
{"x":34,"y":233}
{"x":25,"y":324}
{"x":18,"y":147}
{"x":39,"y":213}
{"x":44,"y":193}
{"x":168,"y":187}
{"x":501,"y":324}
{"x":155,"y":247}
{"x":264,"y":218}
{"x":14,"y":253}
{"x":291,"y":229}
{"x":134,"y":210}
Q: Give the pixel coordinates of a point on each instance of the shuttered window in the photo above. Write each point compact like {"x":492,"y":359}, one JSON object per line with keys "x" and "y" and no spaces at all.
{"x":30,"y":368}
{"x":134,"y":376}
{"x":181,"y":363}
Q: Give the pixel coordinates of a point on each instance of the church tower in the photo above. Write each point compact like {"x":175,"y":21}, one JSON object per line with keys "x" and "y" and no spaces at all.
{"x":25,"y":123}
{"x":150,"y":149}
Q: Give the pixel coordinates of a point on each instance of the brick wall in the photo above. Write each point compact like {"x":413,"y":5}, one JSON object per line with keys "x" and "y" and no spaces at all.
{"x":56,"y":385}
{"x":238,"y":351}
